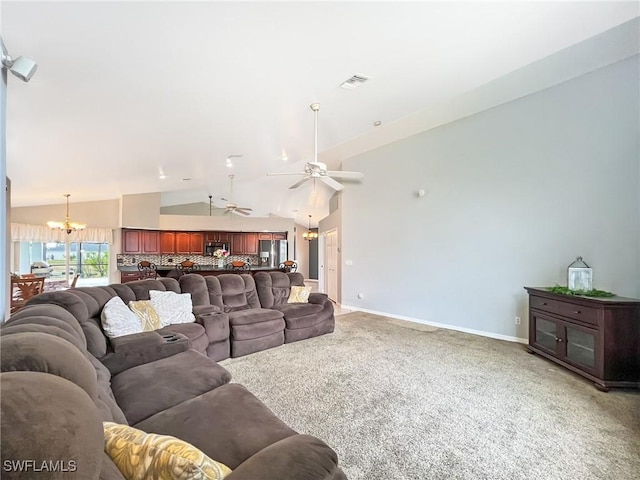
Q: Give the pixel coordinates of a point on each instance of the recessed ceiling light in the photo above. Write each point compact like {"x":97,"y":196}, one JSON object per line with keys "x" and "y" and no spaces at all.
{"x":377,"y":123}
{"x":186,"y":179}
{"x":284,"y":155}
{"x":162,"y":176}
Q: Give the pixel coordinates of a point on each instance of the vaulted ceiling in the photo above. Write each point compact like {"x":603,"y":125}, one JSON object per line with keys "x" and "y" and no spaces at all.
{"x":128,"y":91}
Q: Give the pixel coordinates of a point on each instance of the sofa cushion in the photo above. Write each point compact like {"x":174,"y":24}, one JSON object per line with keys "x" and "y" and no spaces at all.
{"x":172,"y":307}
{"x":238,"y":292}
{"x":41,"y":352}
{"x":301,"y":314}
{"x":237,"y":425}
{"x":53,"y":328}
{"x":147,"y":389}
{"x":45,"y":418}
{"x":78,"y":304}
{"x":301,"y":456}
{"x":146,"y":455}
{"x":50,"y":311}
{"x":254,"y":315}
{"x":119,"y":320}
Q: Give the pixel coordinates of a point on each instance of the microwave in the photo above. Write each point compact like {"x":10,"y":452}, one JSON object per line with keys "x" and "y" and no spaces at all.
{"x":211,"y":247}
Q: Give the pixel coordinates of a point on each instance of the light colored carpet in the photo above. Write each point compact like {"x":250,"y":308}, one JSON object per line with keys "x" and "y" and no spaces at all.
{"x":400,"y":401}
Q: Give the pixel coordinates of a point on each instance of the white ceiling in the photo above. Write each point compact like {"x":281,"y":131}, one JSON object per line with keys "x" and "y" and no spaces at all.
{"x":126,"y":90}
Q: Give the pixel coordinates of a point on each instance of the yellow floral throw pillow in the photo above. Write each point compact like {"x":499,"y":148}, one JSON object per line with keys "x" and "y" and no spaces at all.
{"x":146,"y":313}
{"x":140,"y":456}
{"x":299,"y":295}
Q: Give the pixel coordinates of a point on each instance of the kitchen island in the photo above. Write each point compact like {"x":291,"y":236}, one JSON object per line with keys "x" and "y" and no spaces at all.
{"x":130,"y":273}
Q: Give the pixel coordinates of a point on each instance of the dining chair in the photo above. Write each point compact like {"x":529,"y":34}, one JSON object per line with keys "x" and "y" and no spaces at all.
{"x":22,"y":289}
{"x":147,"y":269}
{"x":238,"y":265}
{"x":187,"y":266}
{"x":288,"y":266}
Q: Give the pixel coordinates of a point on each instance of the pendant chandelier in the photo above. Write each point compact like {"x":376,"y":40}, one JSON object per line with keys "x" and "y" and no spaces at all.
{"x":67,"y":226}
{"x":309,"y":235}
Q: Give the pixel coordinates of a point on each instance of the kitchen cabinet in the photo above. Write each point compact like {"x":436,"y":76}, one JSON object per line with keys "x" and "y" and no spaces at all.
{"x":131,"y":241}
{"x":151,"y":242}
{"x":265,"y":236}
{"x":251,"y":243}
{"x":140,"y":241}
{"x":217,"y":237}
{"x":196,"y":243}
{"x":279,"y":236}
{"x":129,"y":276}
{"x":168,"y":243}
{"x":237,"y":244}
{"x":190,"y":243}
{"x":598,"y":338}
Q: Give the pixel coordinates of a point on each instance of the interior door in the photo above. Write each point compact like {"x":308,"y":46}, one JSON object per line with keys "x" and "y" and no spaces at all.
{"x":331,"y":262}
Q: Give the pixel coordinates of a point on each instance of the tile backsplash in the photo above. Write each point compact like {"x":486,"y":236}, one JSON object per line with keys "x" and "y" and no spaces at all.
{"x":125,"y":260}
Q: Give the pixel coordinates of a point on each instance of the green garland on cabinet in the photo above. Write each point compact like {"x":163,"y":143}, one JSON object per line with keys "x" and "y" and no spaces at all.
{"x":584,"y":293}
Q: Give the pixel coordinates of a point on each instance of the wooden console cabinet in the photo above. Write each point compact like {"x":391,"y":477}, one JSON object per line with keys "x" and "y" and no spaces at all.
{"x":598,"y":338}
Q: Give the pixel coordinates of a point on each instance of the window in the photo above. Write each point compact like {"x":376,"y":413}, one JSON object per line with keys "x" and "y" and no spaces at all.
{"x":89,"y":259}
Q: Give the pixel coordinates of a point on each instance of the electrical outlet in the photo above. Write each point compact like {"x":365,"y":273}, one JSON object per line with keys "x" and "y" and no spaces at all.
{"x":518,"y":321}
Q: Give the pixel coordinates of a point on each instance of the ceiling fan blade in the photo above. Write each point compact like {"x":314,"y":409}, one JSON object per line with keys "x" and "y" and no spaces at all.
{"x":241,"y":211}
{"x":341,"y":174}
{"x":332,"y":183}
{"x":287,"y":173}
{"x":297,"y":184}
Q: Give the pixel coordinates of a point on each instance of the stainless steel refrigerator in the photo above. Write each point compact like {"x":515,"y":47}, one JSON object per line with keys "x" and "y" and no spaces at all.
{"x":272,"y":252}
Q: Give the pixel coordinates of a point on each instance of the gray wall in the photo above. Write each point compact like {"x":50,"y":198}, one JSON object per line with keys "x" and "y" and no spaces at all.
{"x":513,"y":195}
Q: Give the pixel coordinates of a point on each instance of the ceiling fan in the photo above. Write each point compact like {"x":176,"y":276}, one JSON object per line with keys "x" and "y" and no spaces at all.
{"x":318,"y":170}
{"x":231,"y":207}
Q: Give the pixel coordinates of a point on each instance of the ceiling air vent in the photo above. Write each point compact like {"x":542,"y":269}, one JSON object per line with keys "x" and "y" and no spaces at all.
{"x":355,"y":81}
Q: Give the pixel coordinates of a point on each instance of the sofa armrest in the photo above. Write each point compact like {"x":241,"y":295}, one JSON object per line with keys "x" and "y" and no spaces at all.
{"x":292,"y":458}
{"x":139,"y":348}
{"x":215,"y":323}
{"x":205,"y":309}
{"x":319,"y":298}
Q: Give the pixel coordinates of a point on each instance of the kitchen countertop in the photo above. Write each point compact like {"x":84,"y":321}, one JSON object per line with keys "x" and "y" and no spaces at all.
{"x":203,"y":268}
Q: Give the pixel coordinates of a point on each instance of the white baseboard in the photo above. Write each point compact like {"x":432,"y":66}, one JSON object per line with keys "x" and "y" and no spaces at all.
{"x":497,"y":336}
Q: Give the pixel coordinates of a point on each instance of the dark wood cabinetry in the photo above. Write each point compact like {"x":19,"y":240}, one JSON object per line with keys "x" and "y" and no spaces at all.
{"x":140,"y":241}
{"x":189,"y":243}
{"x":150,"y":241}
{"x":251,"y":243}
{"x":131,"y":241}
{"x":196,"y":243}
{"x":237,"y":244}
{"x":135,"y":241}
{"x":168,"y":243}
{"x":217,"y":237}
{"x":598,"y":338}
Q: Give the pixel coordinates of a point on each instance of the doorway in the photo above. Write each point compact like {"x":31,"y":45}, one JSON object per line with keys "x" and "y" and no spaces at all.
{"x":331,"y":262}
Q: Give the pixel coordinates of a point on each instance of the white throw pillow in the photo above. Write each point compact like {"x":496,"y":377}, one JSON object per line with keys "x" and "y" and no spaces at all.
{"x":172,"y":307}
{"x":118,"y":320}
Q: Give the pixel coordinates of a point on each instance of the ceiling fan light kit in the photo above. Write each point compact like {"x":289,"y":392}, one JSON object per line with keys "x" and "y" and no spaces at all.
{"x":232,"y":207}
{"x":318,"y":170}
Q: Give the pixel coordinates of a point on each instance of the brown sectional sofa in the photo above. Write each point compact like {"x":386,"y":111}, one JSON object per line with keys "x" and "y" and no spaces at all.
{"x":61,"y":377}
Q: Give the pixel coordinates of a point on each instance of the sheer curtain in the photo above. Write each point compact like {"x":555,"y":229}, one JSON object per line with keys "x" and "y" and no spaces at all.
{"x":23,"y":232}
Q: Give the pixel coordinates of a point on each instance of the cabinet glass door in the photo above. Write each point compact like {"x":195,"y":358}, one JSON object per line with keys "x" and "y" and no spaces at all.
{"x":581,"y":346}
{"x":546,"y":334}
